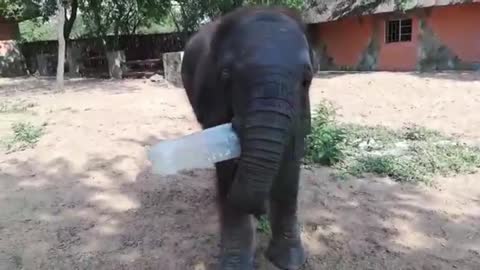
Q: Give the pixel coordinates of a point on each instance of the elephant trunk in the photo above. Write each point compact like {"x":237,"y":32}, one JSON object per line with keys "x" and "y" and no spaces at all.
{"x":265,"y":134}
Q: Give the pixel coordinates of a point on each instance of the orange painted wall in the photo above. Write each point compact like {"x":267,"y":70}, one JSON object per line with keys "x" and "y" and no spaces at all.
{"x":398,"y":56}
{"x":455,"y":26}
{"x":346,"y":39}
{"x":460,"y":32}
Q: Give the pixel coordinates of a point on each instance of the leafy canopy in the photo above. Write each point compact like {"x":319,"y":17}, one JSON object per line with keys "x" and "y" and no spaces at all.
{"x":188,"y":15}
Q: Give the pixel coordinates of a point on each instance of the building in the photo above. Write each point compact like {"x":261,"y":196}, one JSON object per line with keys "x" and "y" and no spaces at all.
{"x":8,"y":29}
{"x":11,"y":59}
{"x":375,"y":35}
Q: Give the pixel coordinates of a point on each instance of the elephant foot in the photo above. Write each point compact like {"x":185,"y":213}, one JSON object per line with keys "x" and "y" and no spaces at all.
{"x":286,"y":254}
{"x":237,"y":261}
{"x":238,"y":241}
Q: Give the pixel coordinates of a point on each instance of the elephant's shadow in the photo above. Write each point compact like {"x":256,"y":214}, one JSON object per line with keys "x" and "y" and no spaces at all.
{"x":182,"y":215}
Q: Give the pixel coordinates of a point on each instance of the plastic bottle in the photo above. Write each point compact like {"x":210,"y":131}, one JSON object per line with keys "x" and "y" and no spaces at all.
{"x":198,"y":150}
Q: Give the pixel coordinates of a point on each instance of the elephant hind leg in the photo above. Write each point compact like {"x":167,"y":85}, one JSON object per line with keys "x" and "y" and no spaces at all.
{"x":237,"y":228}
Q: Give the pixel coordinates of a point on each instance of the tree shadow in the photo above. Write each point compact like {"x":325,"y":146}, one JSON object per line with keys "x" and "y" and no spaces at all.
{"x":454,"y":75}
{"x":354,"y":8}
{"x":376,"y":223}
{"x":46,"y":85}
{"x":329,"y":10}
{"x":58,"y":215}
{"x":327,"y":74}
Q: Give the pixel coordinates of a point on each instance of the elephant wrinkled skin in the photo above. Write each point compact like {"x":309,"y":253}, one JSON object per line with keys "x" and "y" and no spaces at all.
{"x":253,"y":68}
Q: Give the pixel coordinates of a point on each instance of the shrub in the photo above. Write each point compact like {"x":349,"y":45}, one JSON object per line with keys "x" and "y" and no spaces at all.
{"x":25,"y":135}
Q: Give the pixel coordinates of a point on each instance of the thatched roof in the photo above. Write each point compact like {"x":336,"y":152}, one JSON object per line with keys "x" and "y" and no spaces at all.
{"x":329,"y":10}
{"x":17,"y":19}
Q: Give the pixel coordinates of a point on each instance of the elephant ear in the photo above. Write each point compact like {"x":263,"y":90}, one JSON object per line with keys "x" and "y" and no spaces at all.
{"x":211,"y":99}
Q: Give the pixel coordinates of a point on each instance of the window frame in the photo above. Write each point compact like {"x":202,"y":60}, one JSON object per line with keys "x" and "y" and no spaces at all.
{"x":401,"y":26}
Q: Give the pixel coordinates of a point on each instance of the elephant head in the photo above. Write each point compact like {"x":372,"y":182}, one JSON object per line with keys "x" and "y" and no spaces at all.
{"x":264,"y":65}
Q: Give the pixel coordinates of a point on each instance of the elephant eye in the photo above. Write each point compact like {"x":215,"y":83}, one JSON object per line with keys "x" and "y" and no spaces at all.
{"x":306,"y":83}
{"x":308,"y":76}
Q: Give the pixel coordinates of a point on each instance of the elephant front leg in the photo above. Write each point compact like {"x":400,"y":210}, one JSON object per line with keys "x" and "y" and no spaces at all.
{"x":237,"y":228}
{"x":285,"y":249}
{"x":237,"y":245}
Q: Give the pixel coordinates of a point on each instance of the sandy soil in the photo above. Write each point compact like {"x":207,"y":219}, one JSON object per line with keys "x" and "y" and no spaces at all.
{"x":84,"y":197}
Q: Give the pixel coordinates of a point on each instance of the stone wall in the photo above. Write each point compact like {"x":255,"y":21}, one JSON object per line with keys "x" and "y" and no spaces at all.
{"x":172,"y":64}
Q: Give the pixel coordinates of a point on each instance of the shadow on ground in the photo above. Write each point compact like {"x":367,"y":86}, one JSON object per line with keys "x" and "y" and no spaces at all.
{"x":45,"y":85}
{"x":466,"y":76}
{"x":56,"y":216}
{"x":61,"y":218}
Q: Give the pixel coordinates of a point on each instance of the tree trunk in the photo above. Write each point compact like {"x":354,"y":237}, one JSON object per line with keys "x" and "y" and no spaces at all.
{"x":61,"y":44}
{"x":71,"y":60}
{"x":70,"y":21}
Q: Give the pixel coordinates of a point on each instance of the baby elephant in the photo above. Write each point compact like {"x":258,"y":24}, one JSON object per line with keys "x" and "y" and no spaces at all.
{"x":253,"y":68}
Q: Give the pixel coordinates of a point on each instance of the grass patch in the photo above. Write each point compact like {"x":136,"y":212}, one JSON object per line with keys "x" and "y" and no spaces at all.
{"x":409,"y":154}
{"x":25,"y":135}
{"x":15,"y":106}
{"x":263,"y":225}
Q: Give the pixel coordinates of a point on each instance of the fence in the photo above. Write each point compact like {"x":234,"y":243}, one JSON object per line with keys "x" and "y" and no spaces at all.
{"x":41,"y":56}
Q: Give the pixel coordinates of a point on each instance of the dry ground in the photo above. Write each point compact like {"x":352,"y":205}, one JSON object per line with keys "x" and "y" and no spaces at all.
{"x":84,"y":197}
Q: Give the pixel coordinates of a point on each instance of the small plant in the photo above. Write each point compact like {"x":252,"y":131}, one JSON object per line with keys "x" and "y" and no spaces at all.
{"x":325,"y":139}
{"x":416,"y":133}
{"x":25,"y":135}
{"x":326,"y":145}
{"x":325,"y":113}
{"x":263,"y":225}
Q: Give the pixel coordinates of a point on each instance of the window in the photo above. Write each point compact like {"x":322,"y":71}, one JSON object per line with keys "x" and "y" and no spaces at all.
{"x":398,"y":30}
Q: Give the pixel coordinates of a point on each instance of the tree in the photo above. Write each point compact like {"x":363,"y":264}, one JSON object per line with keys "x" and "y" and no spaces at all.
{"x":298,"y":4}
{"x":61,"y":43}
{"x":116,"y":18}
{"x":49,"y":8}
{"x":189,"y":14}
{"x":19,"y":9}
{"x":119,"y":17}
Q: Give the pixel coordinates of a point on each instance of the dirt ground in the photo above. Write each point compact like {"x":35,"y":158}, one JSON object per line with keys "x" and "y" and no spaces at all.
{"x":84,"y":197}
